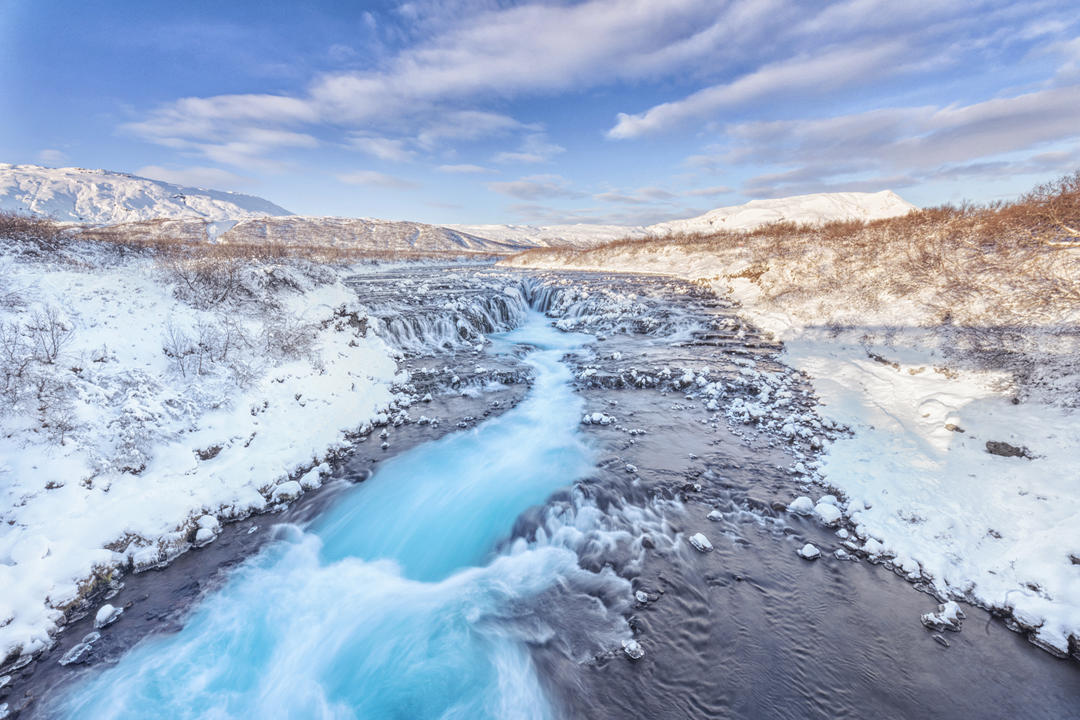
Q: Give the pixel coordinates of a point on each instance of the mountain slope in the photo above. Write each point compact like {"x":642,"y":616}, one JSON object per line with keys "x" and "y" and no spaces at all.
{"x":101,"y":197}
{"x":802,"y":209}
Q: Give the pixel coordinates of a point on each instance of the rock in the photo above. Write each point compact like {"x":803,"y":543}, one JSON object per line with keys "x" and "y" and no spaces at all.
{"x":1004,"y":449}
{"x":947,"y":617}
{"x":312,"y":479}
{"x":829,"y":515}
{"x":940,"y":640}
{"x":715,"y":515}
{"x":801,"y":506}
{"x":286,"y":491}
{"x":809,"y":552}
{"x":208,"y":521}
{"x":631,"y":468}
{"x":633,"y":649}
{"x":77,"y":654}
{"x":641,"y":596}
{"x":204,"y":536}
{"x":107,"y":615}
{"x":700,"y":542}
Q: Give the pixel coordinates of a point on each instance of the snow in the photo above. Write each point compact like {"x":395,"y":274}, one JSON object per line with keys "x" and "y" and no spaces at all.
{"x":809,"y":552}
{"x":150,"y":460}
{"x":100,"y":197}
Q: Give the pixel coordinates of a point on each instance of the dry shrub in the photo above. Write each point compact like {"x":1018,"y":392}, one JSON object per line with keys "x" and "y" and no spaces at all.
{"x":30,"y":234}
{"x":1020,"y":259}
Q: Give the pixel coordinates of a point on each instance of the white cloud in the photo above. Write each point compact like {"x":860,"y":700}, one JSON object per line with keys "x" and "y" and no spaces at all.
{"x":535,"y":149}
{"x":797,"y":76}
{"x":464,"y":169}
{"x":382,"y":148}
{"x":204,"y":177}
{"x":905,"y":144}
{"x":52,"y":157}
{"x":535,"y":187}
{"x":376,"y":179}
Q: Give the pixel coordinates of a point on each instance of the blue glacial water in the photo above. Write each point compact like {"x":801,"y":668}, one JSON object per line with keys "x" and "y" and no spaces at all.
{"x":395,"y":604}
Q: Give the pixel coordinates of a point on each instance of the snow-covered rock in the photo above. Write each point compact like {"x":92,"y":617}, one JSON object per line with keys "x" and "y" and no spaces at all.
{"x":286,"y":492}
{"x":809,"y":552}
{"x":828,"y":514}
{"x":801,"y":506}
{"x":700,"y":543}
{"x":633,"y":649}
{"x":107,"y":615}
{"x":947,"y":617}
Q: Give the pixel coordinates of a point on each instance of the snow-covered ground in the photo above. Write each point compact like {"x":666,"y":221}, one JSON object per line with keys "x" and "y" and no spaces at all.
{"x":917,"y":480}
{"x":101,"y":197}
{"x":136,"y":416}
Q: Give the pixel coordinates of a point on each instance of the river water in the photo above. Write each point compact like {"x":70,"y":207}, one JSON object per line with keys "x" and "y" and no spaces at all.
{"x":395,"y":604}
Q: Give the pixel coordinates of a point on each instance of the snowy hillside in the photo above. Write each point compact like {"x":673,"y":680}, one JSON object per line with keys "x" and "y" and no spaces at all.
{"x":365,"y":233}
{"x":581,"y":235}
{"x":802,"y":209}
{"x":101,"y":197}
{"x":352,"y":234}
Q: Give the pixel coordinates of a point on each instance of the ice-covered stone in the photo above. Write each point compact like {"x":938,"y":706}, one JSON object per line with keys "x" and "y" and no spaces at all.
{"x":809,"y":552}
{"x":631,"y":468}
{"x":700,"y":542}
{"x":286,"y":491}
{"x":641,"y":596}
{"x":947,"y":617}
{"x":204,"y":535}
{"x":829,"y":515}
{"x":715,"y":515}
{"x":107,"y":615}
{"x":633,"y":649}
{"x":801,"y":506}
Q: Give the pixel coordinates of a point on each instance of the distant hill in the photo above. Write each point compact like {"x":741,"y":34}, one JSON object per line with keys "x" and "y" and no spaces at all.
{"x":101,"y":197}
{"x":802,"y":209}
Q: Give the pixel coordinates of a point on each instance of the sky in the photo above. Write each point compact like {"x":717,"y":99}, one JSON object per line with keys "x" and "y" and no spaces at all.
{"x":598,"y":111}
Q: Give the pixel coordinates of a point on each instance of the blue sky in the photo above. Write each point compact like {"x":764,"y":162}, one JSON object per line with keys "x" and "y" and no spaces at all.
{"x":616,"y":111}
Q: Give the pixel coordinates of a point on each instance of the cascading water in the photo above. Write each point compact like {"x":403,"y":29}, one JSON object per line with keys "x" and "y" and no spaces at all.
{"x":395,"y":605}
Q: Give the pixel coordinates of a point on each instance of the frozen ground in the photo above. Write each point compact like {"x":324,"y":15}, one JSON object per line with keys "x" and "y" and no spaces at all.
{"x":917,"y":479}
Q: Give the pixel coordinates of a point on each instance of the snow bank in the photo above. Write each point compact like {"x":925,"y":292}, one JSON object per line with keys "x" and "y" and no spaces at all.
{"x":111,"y":458}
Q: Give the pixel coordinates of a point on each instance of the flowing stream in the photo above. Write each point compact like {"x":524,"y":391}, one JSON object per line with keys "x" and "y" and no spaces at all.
{"x":396,"y":603}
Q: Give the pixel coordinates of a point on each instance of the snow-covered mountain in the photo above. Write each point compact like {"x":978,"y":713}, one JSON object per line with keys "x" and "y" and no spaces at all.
{"x":802,"y":209}
{"x":101,"y":197}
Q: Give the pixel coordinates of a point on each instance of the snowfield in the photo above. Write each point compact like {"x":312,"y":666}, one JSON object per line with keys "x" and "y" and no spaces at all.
{"x":162,"y":413}
{"x":948,"y":477}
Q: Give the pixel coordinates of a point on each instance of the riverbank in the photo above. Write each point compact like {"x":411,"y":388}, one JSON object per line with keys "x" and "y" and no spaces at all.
{"x":961,"y":470}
